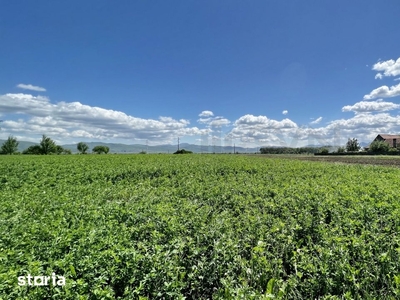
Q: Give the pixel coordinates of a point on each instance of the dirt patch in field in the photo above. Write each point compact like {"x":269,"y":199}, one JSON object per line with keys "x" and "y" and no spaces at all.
{"x":361,"y":160}
{"x":395,"y":162}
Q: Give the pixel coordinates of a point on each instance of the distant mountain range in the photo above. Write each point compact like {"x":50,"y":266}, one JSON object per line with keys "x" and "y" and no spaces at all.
{"x":168,"y":148}
{"x":136,"y":148}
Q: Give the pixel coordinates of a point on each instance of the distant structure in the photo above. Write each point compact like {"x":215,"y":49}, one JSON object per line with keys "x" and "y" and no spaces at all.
{"x":393,"y":140}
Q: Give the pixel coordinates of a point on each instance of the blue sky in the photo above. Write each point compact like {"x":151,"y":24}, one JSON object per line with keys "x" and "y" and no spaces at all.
{"x":218,"y":72}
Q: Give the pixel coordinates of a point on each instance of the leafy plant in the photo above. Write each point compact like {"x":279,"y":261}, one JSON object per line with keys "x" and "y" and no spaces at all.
{"x":198,"y":227}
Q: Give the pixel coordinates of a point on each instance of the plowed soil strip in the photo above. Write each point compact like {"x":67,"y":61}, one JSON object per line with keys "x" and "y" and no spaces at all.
{"x":387,"y":161}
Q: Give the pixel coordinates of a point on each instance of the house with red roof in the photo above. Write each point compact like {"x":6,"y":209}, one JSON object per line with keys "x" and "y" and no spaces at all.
{"x":392,"y":139}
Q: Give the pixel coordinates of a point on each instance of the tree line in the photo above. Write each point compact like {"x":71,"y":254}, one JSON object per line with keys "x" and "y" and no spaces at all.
{"x":47,"y":146}
{"x":288,"y":150}
{"x":376,"y":147}
{"x":352,"y":146}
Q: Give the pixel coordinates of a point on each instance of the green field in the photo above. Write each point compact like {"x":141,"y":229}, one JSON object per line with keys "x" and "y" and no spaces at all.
{"x":198,"y":227}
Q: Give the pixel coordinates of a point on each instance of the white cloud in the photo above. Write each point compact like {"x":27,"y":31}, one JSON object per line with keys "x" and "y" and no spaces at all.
{"x":285,"y":112}
{"x":370,"y":106}
{"x":219,"y":121}
{"x":384,"y":92}
{"x":206,"y":113}
{"x":263,"y":122}
{"x":31,"y":87}
{"x":204,"y":120}
{"x":389,"y":67}
{"x":256,"y":131}
{"x":207,"y":118}
{"x":316,"y":121}
{"x":397,"y":79}
{"x":369,"y":124}
{"x":68,"y":120}
{"x":378,"y":76}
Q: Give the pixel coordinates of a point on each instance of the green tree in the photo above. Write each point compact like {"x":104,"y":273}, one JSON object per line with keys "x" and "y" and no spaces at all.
{"x":324,"y":151}
{"x":35,"y":149}
{"x":82,"y":147}
{"x":10,"y":146}
{"x":59,"y":149}
{"x":47,"y":145}
{"x":101,"y":149}
{"x":379,"y":147}
{"x":341,"y":150}
{"x":352,"y":145}
{"x":66,"y":151}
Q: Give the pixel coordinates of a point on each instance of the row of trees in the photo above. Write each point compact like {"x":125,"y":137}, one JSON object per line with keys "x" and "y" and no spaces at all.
{"x":47,"y":146}
{"x":83,"y":148}
{"x":288,"y":150}
{"x":352,"y":145}
{"x":376,"y":147}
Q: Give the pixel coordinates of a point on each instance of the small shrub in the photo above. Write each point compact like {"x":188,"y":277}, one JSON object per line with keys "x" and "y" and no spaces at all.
{"x":183,"y":151}
{"x":341,"y":150}
{"x":379,"y":147}
{"x":324,"y":151}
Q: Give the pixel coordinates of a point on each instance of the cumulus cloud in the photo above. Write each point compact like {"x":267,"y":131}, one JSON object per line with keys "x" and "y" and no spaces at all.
{"x":207,"y":118}
{"x":378,"y":76}
{"x":285,"y":112}
{"x":204,"y":120}
{"x":261,"y":129}
{"x":219,"y":121}
{"x":384,"y":92}
{"x":31,"y":87}
{"x":364,"y":126}
{"x":368,"y":124}
{"x":370,"y":106}
{"x":206,"y":113}
{"x":263,"y":122}
{"x":316,"y":121}
{"x":389,"y":68}
{"x":69,"y":120}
